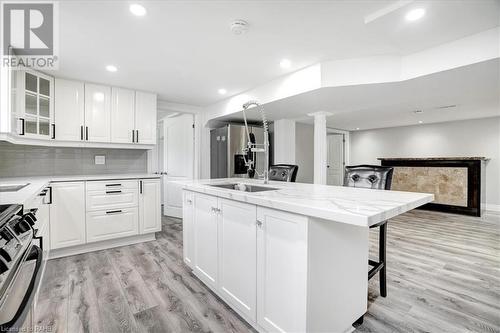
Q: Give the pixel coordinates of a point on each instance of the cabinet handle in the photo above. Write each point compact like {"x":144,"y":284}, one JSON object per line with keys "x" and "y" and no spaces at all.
{"x":133,"y":136}
{"x":50,"y":195}
{"x":114,"y":211}
{"x":140,"y":186}
{"x":81,"y":132}
{"x":22,"y":126}
{"x":87,"y":133}
{"x":259,"y":223}
{"x":112,"y":192}
{"x":137,"y":136}
{"x":53,"y":131}
{"x":113,"y":185}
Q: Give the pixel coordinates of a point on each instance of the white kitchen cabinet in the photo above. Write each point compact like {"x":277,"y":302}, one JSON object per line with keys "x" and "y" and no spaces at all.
{"x":67,"y":214}
{"x":205,"y":238}
{"x":122,"y":115}
{"x":97,"y":113}
{"x":149,"y":206}
{"x":112,"y":223}
{"x":188,"y":228}
{"x":69,"y":110}
{"x":281,"y":271}
{"x":237,"y":239}
{"x":145,"y":117}
{"x":34,"y":105}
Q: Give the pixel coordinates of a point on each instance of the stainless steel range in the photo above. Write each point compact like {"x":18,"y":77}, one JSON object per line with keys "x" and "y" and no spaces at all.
{"x":20,"y":268}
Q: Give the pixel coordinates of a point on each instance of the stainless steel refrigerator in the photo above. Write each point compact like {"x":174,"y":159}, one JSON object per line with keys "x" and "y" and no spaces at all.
{"x":226,"y":151}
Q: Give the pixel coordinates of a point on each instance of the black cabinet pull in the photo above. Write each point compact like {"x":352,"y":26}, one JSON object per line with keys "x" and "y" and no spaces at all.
{"x":87,"y":133}
{"x":114,"y":211}
{"x":50,"y":195}
{"x":114,"y":184}
{"x":133,"y":136}
{"x":137,"y":136}
{"x":53,"y":131}
{"x":111,"y":192}
{"x":22,"y":126}
{"x":81,"y":132}
{"x":140,"y":186}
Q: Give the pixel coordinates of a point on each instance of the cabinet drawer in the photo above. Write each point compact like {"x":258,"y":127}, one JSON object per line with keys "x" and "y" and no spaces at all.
{"x":112,"y":185}
{"x":108,"y":224}
{"x":111,"y":198}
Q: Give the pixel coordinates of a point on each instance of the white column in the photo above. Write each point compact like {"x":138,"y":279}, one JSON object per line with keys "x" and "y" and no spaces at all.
{"x":320,"y":146}
{"x":284,"y":141}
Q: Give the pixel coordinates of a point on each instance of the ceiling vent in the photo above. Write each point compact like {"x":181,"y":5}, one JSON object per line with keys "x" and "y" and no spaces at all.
{"x":239,"y":27}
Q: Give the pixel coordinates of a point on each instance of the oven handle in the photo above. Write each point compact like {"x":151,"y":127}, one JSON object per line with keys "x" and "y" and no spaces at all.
{"x":17,"y":322}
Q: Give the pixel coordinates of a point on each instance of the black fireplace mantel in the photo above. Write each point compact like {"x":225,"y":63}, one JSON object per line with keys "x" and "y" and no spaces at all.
{"x":475,"y":179}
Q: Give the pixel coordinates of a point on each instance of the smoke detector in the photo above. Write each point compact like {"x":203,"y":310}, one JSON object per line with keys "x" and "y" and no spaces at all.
{"x":239,"y":27}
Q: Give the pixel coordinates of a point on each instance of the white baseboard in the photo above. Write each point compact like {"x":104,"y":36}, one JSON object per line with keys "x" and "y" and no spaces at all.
{"x":491,"y":207}
{"x":107,"y":244}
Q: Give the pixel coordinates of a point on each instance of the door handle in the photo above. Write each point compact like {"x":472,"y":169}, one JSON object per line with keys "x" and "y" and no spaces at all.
{"x":259,"y":223}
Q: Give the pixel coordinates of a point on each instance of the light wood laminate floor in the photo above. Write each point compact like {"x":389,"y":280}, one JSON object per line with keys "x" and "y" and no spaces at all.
{"x":443,"y":276}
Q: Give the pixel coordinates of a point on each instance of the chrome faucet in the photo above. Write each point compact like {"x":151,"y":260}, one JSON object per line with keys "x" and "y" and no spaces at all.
{"x":257,"y":148}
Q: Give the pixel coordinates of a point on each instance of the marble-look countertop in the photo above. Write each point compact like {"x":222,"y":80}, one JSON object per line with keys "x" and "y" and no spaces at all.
{"x":433,"y":158}
{"x":37,"y":184}
{"x":358,"y":206}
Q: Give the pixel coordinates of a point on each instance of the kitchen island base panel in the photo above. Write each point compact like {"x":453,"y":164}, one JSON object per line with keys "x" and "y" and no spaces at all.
{"x":102,"y":245}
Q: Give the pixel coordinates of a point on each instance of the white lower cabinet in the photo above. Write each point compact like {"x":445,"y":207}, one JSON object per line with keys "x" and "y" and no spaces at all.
{"x":238,"y":255}
{"x":114,"y":223}
{"x":205,"y":239}
{"x":149,"y":206}
{"x":281,"y":271}
{"x":254,"y":258}
{"x":188,"y":228}
{"x":67,"y":214}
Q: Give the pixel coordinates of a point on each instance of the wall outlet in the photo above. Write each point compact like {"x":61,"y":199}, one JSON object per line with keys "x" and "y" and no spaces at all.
{"x":100,"y":159}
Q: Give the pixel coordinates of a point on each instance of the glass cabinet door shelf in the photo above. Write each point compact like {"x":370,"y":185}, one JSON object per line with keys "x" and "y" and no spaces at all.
{"x":36,"y":105}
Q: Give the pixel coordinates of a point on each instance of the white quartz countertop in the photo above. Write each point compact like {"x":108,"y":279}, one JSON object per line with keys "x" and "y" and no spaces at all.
{"x":36,"y":184}
{"x":358,"y":206}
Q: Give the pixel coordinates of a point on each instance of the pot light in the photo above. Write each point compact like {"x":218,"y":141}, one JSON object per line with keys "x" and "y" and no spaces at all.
{"x":420,"y":122}
{"x":222,"y":91}
{"x":137,"y":9}
{"x":357,"y":128}
{"x":415,"y":14}
{"x":111,"y":68}
{"x":285,"y":63}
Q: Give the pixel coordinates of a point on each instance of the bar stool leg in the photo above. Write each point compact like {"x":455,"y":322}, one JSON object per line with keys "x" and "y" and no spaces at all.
{"x":382,"y":259}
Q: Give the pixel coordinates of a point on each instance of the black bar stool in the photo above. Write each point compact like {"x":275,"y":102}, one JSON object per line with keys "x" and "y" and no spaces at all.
{"x":375,"y":177}
{"x":283,"y":172}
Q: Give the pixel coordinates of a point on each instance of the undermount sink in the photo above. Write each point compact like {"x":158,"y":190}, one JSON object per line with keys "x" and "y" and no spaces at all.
{"x":12,"y":187}
{"x":244,"y":187}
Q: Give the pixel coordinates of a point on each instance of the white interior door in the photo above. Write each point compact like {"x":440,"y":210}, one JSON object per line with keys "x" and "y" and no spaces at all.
{"x":335,"y":171}
{"x":178,"y":143}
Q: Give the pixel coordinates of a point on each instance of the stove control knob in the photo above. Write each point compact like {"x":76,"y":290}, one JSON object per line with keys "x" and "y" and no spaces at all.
{"x":3,"y":267}
{"x":21,"y":227}
{"x":5,"y":255}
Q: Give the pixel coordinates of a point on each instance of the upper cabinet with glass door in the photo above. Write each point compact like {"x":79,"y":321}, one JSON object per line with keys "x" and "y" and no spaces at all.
{"x":35,"y":105}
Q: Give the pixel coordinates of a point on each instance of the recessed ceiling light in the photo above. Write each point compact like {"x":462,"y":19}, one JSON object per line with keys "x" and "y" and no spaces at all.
{"x":357,"y":128}
{"x":222,"y":91}
{"x":137,"y":9}
{"x":285,"y":63}
{"x":415,"y":14}
{"x":111,"y":68}
{"x":420,"y":122}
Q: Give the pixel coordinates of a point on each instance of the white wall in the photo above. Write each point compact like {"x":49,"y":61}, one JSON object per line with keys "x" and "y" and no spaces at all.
{"x":479,"y":137}
{"x":304,"y":152}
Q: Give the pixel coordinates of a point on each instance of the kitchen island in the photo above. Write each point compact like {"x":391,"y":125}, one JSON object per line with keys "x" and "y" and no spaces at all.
{"x":290,"y":259}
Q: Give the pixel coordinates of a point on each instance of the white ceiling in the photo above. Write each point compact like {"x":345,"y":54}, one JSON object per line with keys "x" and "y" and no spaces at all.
{"x":184,"y":50}
{"x":474,"y":89}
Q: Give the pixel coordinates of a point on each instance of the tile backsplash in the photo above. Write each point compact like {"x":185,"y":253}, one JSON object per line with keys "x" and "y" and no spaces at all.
{"x":20,"y":160}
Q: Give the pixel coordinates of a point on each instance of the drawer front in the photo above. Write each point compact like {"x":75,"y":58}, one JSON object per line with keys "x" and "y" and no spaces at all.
{"x":111,"y":198}
{"x":109,"y":224}
{"x":112,"y":185}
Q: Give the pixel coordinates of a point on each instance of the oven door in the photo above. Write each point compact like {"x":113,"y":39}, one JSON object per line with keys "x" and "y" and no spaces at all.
{"x":18,"y":299}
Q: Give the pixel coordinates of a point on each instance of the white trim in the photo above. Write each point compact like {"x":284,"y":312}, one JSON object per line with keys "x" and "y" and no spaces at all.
{"x":107,"y":244}
{"x":491,"y":207}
